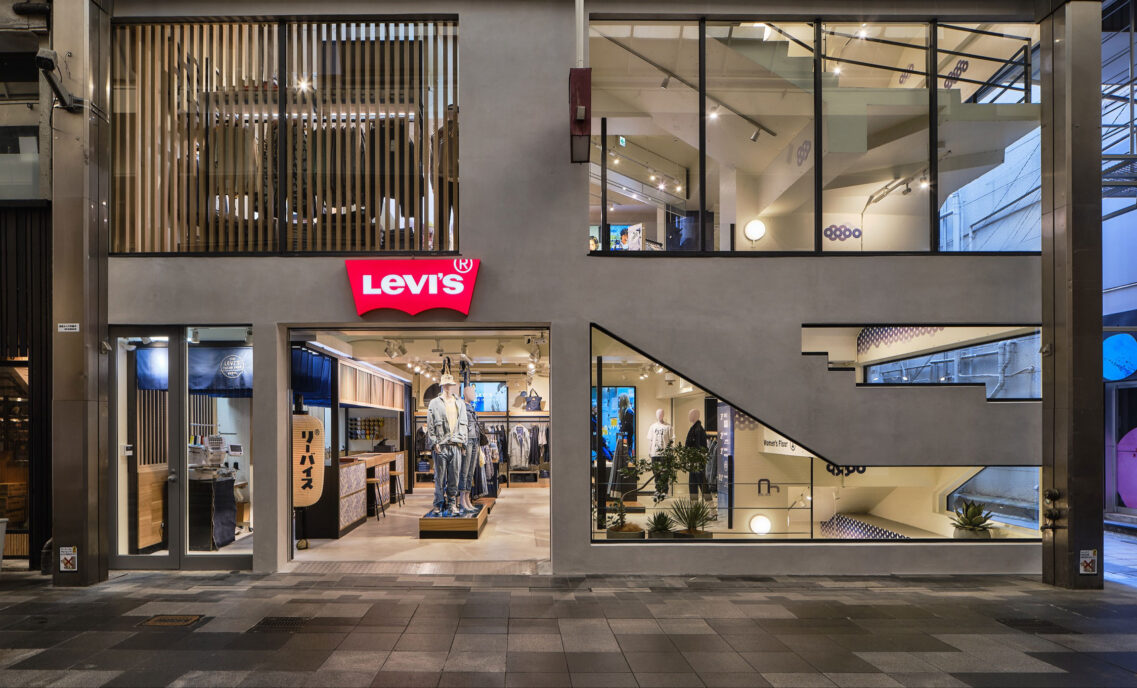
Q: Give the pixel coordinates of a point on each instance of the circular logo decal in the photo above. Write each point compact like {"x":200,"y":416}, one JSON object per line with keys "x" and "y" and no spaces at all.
{"x":232,"y":366}
{"x":1119,"y":356}
{"x":463,"y":265}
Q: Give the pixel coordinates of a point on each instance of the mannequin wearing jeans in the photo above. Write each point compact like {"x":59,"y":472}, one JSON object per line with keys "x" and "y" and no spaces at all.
{"x":471,"y":453}
{"x":446,"y":423}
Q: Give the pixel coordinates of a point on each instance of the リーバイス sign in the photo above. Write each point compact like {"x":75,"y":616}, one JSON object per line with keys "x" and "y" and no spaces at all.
{"x":413,"y":286}
{"x":307,"y":459}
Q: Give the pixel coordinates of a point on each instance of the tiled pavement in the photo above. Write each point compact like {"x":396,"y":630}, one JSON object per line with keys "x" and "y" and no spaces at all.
{"x":354,"y":630}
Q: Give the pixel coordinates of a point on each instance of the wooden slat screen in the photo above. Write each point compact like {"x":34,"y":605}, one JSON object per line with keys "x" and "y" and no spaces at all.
{"x":202,"y":415}
{"x":370,"y":138}
{"x":151,"y":447}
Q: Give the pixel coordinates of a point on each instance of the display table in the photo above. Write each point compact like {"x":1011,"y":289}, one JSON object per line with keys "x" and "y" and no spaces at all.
{"x":466,"y":528}
{"x":212,"y":514}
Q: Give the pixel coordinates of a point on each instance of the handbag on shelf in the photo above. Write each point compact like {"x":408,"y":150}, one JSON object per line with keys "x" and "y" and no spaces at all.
{"x":533,"y":401}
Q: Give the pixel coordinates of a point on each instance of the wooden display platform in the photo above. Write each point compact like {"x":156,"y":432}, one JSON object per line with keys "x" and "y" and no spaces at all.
{"x":526,"y":483}
{"x":461,"y":528}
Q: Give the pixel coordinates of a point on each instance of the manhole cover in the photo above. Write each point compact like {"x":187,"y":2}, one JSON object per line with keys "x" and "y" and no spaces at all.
{"x":1035,"y":626}
{"x":172,"y":620}
{"x":280,"y":623}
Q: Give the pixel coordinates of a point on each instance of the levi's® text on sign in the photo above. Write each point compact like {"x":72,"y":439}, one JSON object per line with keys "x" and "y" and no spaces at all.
{"x":413,"y":286}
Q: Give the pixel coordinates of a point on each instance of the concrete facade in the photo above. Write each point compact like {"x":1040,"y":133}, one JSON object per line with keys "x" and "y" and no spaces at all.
{"x":733,"y":324}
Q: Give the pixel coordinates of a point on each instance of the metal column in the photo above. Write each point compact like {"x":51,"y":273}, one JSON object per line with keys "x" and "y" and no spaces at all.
{"x":1072,"y":395}
{"x":80,"y":191}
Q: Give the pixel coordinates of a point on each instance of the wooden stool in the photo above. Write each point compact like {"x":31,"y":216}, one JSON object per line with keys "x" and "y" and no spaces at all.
{"x":398,"y":476}
{"x":379,"y":508}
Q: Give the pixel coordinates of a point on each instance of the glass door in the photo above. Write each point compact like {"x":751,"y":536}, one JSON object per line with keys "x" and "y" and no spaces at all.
{"x":147,"y":448}
{"x":1121,"y":448}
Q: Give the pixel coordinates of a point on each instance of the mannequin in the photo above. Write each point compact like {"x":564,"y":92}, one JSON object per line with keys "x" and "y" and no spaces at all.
{"x":696,"y":437}
{"x":660,"y":436}
{"x":471,"y":454}
{"x":446,"y":424}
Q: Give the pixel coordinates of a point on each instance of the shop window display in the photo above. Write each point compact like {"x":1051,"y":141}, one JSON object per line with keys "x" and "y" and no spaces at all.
{"x":15,"y":406}
{"x":716,"y":472}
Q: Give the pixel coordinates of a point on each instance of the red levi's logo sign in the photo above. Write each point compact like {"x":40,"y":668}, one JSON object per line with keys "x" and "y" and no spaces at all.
{"x":413,"y":286}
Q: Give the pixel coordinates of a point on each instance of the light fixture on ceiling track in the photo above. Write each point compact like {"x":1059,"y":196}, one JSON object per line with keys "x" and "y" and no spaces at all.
{"x":390,"y":351}
{"x":755,"y":135}
{"x":714,"y":113}
{"x":500,"y":348}
{"x":666,"y":81}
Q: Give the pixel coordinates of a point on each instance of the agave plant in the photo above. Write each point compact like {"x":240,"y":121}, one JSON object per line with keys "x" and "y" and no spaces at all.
{"x":660,"y":522}
{"x":692,"y":514}
{"x":971,"y":516}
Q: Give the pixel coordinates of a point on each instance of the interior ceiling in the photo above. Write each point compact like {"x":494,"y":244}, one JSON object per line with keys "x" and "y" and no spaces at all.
{"x":432,"y":346}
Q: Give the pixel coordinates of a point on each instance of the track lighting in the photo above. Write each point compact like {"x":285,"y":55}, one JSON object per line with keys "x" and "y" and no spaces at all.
{"x":500,"y":348}
{"x":714,"y":113}
{"x":401,"y":349}
{"x":924,"y":183}
{"x":418,"y":369}
{"x":907,"y":190}
{"x":666,"y":81}
{"x":755,"y":135}
{"x":389,"y":350}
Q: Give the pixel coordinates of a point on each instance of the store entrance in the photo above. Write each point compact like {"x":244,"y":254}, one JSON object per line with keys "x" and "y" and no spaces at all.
{"x":398,"y":491}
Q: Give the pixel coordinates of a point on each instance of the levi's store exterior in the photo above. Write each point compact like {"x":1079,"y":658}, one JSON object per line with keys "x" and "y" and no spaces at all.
{"x":284,"y":313}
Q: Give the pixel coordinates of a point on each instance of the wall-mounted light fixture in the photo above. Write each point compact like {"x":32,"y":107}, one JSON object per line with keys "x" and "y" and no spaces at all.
{"x":754,"y":230}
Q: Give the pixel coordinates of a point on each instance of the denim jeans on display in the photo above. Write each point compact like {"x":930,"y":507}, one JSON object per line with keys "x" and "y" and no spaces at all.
{"x":447,"y":463}
{"x":469,"y":461}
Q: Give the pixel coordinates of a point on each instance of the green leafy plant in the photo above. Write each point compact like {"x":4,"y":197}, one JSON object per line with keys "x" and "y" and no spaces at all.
{"x":971,"y":516}
{"x":692,"y":514}
{"x":663,"y":471}
{"x":619,"y":520}
{"x":660,"y":522}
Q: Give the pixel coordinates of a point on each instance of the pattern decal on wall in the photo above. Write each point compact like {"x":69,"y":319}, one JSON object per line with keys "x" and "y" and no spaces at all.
{"x":842,"y":527}
{"x":841,"y":232}
{"x":882,"y":336}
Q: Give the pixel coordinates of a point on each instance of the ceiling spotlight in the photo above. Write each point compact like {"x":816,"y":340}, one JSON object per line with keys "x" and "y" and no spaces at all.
{"x":418,"y":369}
{"x":924,"y":183}
{"x":653,"y":177}
{"x":248,"y":335}
{"x":662,"y":186}
{"x":532,"y":365}
{"x":666,"y":81}
{"x":615,"y":161}
{"x":303,"y":85}
{"x":837,"y":69}
{"x":408,"y":365}
{"x":714,"y":114}
{"x":678,"y":188}
{"x":500,"y":347}
{"x":659,"y":370}
{"x":389,"y":350}
{"x":465,"y":349}
{"x":401,"y":348}
{"x":194,"y":336}
{"x":755,"y":135}
{"x":499,"y":359}
{"x":612,"y":208}
{"x":907,"y":190}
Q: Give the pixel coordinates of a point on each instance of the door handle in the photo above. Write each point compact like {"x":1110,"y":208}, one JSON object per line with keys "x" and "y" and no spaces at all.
{"x":172,"y":477}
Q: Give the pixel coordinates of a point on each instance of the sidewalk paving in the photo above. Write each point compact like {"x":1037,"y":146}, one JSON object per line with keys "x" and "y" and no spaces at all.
{"x":339,"y":629}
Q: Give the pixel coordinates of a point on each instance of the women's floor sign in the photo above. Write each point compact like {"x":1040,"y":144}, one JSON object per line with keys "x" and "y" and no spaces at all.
{"x":413,"y":286}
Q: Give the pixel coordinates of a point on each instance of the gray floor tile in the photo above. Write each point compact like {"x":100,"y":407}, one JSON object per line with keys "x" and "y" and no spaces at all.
{"x":366,"y":640}
{"x":928,"y":680}
{"x":669,"y":680}
{"x":474,"y":642}
{"x":757,"y":641}
{"x":271,"y":679}
{"x":209,"y":679}
{"x":536,"y":662}
{"x":706,"y":662}
{"x":534,"y":642}
{"x":419,"y":662}
{"x":424,"y":642}
{"x":896,"y":662}
{"x":461,"y":679}
{"x":646,"y":643}
{"x":355,"y":660}
{"x":733,"y":680}
{"x":657,"y":662}
{"x":798,"y":680}
{"x":776,"y":662}
{"x":701,"y":643}
{"x":406,"y":679}
{"x":838,"y":662}
{"x":604,"y":680}
{"x":863,"y":680}
{"x":84,"y":679}
{"x":596,"y":662}
{"x":475,"y":662}
{"x":541,"y":680}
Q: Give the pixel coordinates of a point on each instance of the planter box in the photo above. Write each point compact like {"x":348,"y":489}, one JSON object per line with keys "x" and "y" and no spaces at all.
{"x":625,"y":535}
{"x":699,"y":535}
{"x":661,"y":536}
{"x":964,"y":534}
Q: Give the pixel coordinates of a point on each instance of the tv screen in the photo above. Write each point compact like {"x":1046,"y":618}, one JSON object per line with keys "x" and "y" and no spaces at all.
{"x":608,"y":418}
{"x":491,"y":396}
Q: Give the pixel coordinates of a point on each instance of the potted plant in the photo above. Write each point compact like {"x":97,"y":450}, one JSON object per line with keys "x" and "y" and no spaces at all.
{"x":972,"y":522}
{"x":620,"y":529}
{"x":663,"y":471}
{"x":659,"y":526}
{"x":692,"y":515}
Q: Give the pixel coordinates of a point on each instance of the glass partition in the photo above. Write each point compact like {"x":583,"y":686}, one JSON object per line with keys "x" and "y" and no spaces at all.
{"x":738,"y":479}
{"x":990,"y":168}
{"x":645,"y":160}
{"x":760,"y":135}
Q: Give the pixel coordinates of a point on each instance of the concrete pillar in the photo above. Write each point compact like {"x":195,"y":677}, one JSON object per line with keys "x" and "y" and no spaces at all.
{"x":272,"y":447}
{"x":1072,"y":398}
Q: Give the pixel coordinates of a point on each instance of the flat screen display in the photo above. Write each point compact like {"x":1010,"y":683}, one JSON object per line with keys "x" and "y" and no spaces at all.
{"x":607,"y":419}
{"x":491,"y":396}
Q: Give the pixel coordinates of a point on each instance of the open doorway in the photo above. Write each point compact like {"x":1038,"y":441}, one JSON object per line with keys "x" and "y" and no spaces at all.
{"x":393,"y":497}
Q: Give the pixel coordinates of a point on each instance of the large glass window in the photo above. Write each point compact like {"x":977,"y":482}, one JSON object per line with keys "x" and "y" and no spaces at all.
{"x":807,"y":137}
{"x":290,"y":137}
{"x":1009,"y":368}
{"x":15,"y":455}
{"x":990,"y":158}
{"x":739,"y":479}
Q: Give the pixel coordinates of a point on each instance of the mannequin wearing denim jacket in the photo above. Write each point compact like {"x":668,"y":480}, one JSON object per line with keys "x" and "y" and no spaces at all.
{"x":449,"y":445}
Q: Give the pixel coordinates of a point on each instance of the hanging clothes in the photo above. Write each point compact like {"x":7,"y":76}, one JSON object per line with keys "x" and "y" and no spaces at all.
{"x":534,"y":445}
